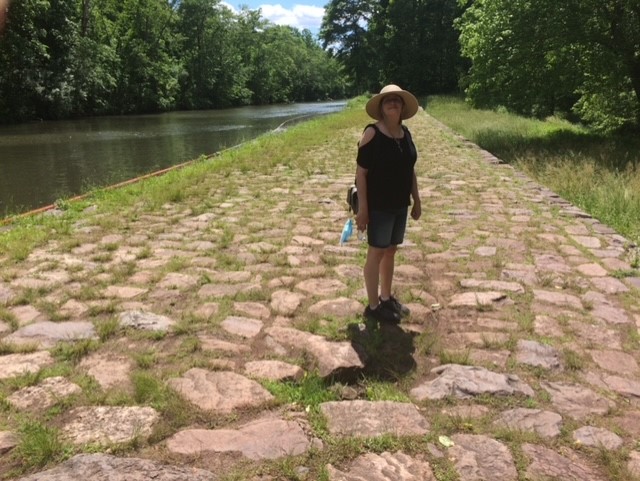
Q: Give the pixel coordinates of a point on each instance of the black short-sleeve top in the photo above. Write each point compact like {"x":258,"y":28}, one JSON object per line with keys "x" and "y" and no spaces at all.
{"x":389,"y":163}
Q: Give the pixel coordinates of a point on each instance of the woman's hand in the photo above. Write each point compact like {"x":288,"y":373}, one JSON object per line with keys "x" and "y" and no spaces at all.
{"x":416,"y":210}
{"x":362,"y":219}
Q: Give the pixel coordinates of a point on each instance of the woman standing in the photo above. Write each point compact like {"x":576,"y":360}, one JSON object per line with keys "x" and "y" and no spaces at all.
{"x":386,"y":180}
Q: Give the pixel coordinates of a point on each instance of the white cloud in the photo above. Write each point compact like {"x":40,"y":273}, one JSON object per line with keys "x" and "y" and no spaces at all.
{"x":300,"y":16}
{"x":229,"y":6}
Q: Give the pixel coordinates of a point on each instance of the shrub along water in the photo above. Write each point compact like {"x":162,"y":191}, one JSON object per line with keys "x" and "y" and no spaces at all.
{"x":598,"y":173}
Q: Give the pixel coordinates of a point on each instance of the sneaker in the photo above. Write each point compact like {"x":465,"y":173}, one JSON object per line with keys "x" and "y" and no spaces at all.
{"x":381,"y":314}
{"x":394,"y":305}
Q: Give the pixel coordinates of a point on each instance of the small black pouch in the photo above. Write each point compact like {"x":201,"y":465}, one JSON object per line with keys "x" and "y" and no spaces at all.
{"x":352,"y":198}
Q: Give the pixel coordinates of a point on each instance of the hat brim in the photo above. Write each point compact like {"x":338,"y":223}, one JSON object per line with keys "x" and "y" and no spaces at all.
{"x":409,"y":109}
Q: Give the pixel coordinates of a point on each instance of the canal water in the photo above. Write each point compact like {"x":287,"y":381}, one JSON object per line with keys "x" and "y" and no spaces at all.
{"x":45,"y":161}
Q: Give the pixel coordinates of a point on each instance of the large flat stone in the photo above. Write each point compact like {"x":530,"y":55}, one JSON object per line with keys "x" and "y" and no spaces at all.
{"x":104,"y":467}
{"x":480,"y":458}
{"x":557,"y":298}
{"x":261,"y":439}
{"x":533,"y":353}
{"x":340,"y":307}
{"x":6,"y":294}
{"x":254,"y":310}
{"x":476,"y":299}
{"x":383,"y":467}
{"x":274,"y":370}
{"x":469,"y":381}
{"x":47,"y":334}
{"x":624,"y":386}
{"x":609,"y":285}
{"x":146,"y":321}
{"x":285,"y":302}
{"x":26,"y":314}
{"x":551,"y":263}
{"x":8,"y":441}
{"x":597,"y":438}
{"x":242,"y":326}
{"x":124,"y":292}
{"x":108,"y":369}
{"x":373,"y":418}
{"x":547,"y":464}
{"x":333,"y":358}
{"x":546,"y":424}
{"x":44,"y":395}
{"x":577,"y":401}
{"x":492,"y":285}
{"x":12,"y":365}
{"x":615,"y":361}
{"x":109,"y":424}
{"x":226,"y":290}
{"x":589,"y":242}
{"x":221,"y":391}
{"x":175,"y":280}
{"x":321,"y":287}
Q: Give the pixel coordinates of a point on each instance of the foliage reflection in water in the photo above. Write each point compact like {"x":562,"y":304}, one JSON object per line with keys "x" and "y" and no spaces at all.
{"x":43,"y":162}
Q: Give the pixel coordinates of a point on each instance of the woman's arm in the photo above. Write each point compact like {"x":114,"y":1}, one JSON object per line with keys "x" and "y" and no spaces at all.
{"x":416,"y":210}
{"x":362,"y":218}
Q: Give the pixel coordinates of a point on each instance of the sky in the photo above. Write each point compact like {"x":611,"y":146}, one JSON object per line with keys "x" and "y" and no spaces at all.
{"x":299,"y":14}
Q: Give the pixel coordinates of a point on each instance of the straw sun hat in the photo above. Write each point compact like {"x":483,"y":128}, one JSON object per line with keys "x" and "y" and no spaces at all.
{"x":408,"y":110}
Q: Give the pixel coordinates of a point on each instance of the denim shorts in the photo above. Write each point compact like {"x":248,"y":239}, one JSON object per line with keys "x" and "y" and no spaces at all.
{"x":386,"y":227}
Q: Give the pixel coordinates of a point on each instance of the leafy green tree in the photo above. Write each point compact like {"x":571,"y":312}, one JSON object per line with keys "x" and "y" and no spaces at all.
{"x":36,"y":52}
{"x":215,"y":73}
{"x":147,"y":48}
{"x":288,"y":66}
{"x":319,"y":75}
{"x":344,"y":32}
{"x":420,"y":45}
{"x":95,"y":64}
{"x":65,"y":58}
{"x":540,"y":57}
{"x":610,"y":54}
{"x":409,"y":42}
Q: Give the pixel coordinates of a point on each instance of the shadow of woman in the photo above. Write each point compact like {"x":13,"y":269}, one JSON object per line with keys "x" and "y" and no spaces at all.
{"x":386,"y":350}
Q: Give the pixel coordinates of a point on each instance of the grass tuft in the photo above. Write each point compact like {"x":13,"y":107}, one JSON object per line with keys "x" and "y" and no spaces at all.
{"x":40,"y":445}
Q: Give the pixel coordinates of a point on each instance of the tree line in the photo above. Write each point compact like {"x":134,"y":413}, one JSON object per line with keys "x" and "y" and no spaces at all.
{"x":72,"y":58}
{"x":579,"y":59}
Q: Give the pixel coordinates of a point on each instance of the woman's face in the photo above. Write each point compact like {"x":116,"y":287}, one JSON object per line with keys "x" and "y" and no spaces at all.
{"x":392,"y":106}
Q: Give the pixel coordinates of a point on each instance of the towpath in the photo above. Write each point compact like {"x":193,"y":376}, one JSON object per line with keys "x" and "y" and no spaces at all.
{"x":192,"y":342}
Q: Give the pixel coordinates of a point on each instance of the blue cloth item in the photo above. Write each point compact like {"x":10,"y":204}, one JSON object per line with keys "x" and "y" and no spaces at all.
{"x":347,"y":231}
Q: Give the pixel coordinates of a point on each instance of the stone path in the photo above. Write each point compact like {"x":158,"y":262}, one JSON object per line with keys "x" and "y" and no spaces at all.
{"x":157,"y":338}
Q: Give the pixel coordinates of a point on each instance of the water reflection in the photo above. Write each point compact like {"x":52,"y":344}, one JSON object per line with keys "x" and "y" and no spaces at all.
{"x":42,"y":162}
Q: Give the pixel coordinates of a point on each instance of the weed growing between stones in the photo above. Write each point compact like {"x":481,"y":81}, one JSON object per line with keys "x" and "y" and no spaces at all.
{"x":455,"y":357}
{"x":10,"y":318}
{"x":631,"y":338}
{"x":189,"y":346}
{"x":106,"y":328}
{"x":308,"y":393}
{"x":25,"y":379}
{"x":614,"y":462}
{"x":146,"y":359}
{"x":384,"y":391}
{"x":573,"y":361}
{"x":40,"y":445}
{"x":73,"y":352}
